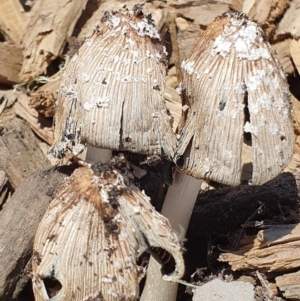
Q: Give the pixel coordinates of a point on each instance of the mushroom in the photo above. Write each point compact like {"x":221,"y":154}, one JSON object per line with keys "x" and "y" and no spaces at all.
{"x":96,"y":226}
{"x":232,"y":84}
{"x":240,"y":88}
{"x":111,"y":94}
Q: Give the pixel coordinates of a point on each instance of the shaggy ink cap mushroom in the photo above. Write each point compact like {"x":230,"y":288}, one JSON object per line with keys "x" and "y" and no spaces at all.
{"x":97,"y":225}
{"x":233,"y":84}
{"x":111,"y":93}
{"x":232,"y":69}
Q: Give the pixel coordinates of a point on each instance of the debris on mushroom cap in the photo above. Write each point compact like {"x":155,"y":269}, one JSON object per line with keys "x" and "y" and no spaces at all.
{"x":232,"y":84}
{"x":88,"y":241}
{"x":111,"y":94}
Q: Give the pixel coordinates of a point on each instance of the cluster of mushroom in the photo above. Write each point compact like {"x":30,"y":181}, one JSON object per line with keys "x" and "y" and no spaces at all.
{"x":98,"y":223}
{"x":111,"y":97}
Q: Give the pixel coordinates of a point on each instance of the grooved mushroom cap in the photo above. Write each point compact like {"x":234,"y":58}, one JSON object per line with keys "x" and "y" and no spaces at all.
{"x":232,"y":84}
{"x":111,"y":94}
{"x":88,"y":241}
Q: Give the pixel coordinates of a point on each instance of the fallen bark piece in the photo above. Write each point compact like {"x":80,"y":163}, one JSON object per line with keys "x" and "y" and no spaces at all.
{"x":282,"y":49}
{"x":200,"y":13}
{"x":236,"y":5}
{"x":279,"y":196}
{"x":91,"y":235}
{"x":3,"y":179}
{"x":173,"y":103}
{"x":20,"y":154}
{"x":47,"y":31}
{"x":273,"y":249}
{"x":218,"y":290}
{"x":172,"y":81}
{"x":296,"y":116}
{"x":289,"y":25}
{"x":187,"y":36}
{"x":90,"y":8}
{"x":19,"y":220}
{"x":266,"y":12}
{"x":39,"y":124}
{"x":10,"y":63}
{"x":289,"y":285}
{"x":295,"y":52}
{"x":194,"y":16}
{"x":6,"y":115}
{"x":12,"y":20}
{"x":7,"y":99}
{"x":265,"y":284}
{"x":43,"y":100}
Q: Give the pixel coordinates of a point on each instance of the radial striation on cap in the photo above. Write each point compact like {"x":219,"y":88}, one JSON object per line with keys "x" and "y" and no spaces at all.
{"x":233,"y":84}
{"x":111,"y":94}
{"x":88,"y":241}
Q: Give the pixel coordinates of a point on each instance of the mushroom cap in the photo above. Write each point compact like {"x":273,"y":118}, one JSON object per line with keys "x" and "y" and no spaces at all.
{"x":111,"y":93}
{"x":92,"y":233}
{"x":232,"y":84}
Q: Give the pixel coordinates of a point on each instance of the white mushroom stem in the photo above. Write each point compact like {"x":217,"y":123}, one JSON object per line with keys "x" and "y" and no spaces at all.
{"x":95,"y":155}
{"x":178,"y":207}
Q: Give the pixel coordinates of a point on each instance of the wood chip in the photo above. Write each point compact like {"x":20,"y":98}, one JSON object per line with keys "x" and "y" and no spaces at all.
{"x":296,"y":115}
{"x":173,"y":103}
{"x":198,"y":12}
{"x":266,"y":13}
{"x":187,"y":35}
{"x":295,"y":53}
{"x":20,"y":217}
{"x":43,"y":100}
{"x":265,"y":285}
{"x":41,"y":41}
{"x":20,"y":155}
{"x":202,"y":14}
{"x":10,"y":63}
{"x":7,"y":99}
{"x":39,"y":124}
{"x":289,"y":285}
{"x":3,"y":179}
{"x":282,"y":49}
{"x":236,"y":5}
{"x":274,"y":249}
{"x":13,"y":20}
{"x":290,"y":23}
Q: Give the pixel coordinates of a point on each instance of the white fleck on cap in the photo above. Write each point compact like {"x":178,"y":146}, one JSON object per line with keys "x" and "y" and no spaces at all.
{"x":91,"y":235}
{"x":111,"y":95}
{"x":233,"y":83}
